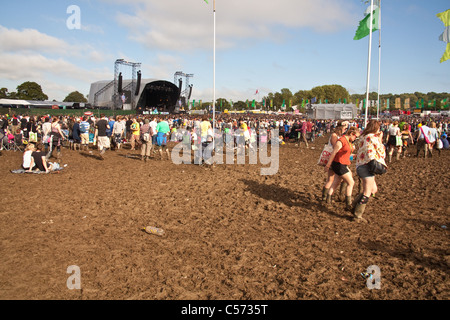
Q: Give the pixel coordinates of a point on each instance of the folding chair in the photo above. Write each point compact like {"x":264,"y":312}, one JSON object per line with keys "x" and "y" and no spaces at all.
{"x":16,"y":144}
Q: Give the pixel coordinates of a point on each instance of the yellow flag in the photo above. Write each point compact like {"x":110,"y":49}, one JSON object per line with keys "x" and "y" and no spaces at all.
{"x":445,"y":36}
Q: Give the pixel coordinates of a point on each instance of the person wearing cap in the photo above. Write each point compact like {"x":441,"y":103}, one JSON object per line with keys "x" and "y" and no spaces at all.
{"x":146,"y":140}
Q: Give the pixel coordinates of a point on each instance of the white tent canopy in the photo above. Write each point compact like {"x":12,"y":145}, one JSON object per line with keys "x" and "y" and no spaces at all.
{"x":14,"y":102}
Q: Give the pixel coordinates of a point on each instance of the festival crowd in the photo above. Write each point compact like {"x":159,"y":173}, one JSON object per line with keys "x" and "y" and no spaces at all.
{"x":373,"y":146}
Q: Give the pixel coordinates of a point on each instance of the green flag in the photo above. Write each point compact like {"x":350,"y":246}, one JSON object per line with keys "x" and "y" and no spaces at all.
{"x":364,"y":25}
{"x":253,"y":104}
{"x":207,"y":1}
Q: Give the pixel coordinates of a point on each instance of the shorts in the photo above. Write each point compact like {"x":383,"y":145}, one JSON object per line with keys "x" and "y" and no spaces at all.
{"x":339,"y":168}
{"x":392,"y":141}
{"x":364,"y":172}
{"x":161,"y":139}
{"x":103,"y":142}
{"x":84,"y":138}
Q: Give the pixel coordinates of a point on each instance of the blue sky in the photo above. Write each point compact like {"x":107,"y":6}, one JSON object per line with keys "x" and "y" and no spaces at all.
{"x":261,"y":45}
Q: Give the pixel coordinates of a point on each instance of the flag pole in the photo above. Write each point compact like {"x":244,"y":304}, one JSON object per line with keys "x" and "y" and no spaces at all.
{"x":368,"y":63}
{"x":379,"y":60}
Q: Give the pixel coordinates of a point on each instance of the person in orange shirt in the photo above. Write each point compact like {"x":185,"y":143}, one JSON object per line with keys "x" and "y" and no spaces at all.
{"x":339,"y":162}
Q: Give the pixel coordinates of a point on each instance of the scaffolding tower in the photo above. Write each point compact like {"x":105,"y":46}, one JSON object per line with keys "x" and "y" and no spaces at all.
{"x":186,"y":93}
{"x":116,"y":95}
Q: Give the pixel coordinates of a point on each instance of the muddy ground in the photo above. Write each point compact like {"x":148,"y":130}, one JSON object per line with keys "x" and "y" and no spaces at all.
{"x":231,"y":233}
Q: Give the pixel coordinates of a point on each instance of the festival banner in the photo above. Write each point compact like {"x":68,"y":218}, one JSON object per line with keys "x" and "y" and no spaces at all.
{"x":407,"y":103}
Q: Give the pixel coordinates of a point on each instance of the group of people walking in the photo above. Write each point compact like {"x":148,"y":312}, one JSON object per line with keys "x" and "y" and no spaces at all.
{"x":372,"y":148}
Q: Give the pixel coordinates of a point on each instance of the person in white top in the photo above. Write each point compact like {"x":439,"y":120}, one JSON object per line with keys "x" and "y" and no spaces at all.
{"x":393,"y":133}
{"x":27,"y":156}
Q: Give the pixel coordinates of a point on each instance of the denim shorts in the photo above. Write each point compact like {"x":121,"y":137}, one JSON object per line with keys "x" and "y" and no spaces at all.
{"x":364,"y":172}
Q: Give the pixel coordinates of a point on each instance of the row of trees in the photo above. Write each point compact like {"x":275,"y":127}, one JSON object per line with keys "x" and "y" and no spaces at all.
{"x":273,"y":101}
{"x":332,"y":94}
{"x":33,"y":91}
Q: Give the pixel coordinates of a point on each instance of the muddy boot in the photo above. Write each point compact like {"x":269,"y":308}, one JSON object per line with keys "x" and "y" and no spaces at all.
{"x":328,"y":200}
{"x":356,"y":200}
{"x":360,"y":208}
{"x":342,"y":192}
{"x":348,"y":203}
{"x":324,"y":193}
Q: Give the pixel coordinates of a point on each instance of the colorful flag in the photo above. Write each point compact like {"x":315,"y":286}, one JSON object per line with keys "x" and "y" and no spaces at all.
{"x":253,"y":104}
{"x":364,"y":25}
{"x":207,"y":1}
{"x":445,"y":36}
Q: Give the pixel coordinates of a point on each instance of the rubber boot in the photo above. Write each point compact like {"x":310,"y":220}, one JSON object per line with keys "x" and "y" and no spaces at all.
{"x":324,"y":193}
{"x":348,"y":203}
{"x":342,"y":191}
{"x":357,"y":199}
{"x":328,"y":200}
{"x":360,"y":208}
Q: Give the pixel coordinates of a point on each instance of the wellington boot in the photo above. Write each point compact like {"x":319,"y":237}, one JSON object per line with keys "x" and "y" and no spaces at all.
{"x":328,"y":200}
{"x":357,"y":200}
{"x":359,"y":210}
{"x":324,"y":193}
{"x":348,"y":203}
{"x":342,"y":192}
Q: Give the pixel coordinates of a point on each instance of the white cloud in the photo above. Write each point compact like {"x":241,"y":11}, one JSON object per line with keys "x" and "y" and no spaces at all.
{"x":13,"y":40}
{"x":29,"y":55}
{"x":187,"y":25}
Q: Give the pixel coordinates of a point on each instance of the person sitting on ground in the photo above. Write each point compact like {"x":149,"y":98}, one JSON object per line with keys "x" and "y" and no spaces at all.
{"x":27,"y":157}
{"x":39,"y":160}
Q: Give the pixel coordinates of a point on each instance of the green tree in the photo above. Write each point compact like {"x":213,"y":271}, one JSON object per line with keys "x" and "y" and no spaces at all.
{"x":4,"y":93}
{"x":31,"y":91}
{"x":75,"y":97}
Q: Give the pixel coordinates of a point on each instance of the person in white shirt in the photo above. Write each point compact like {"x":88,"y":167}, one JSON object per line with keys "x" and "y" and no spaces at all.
{"x":26,"y":164}
{"x":393,"y":133}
